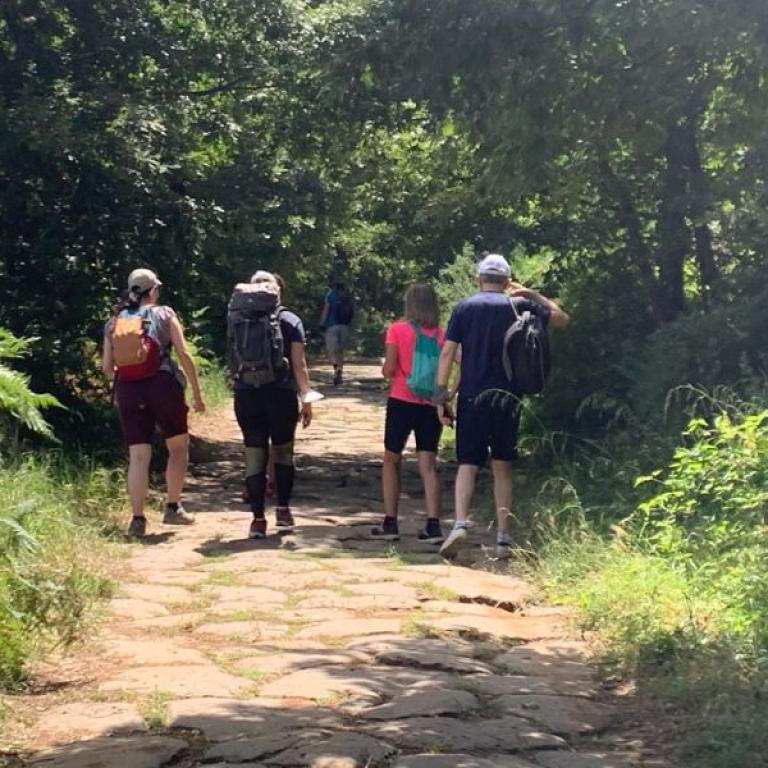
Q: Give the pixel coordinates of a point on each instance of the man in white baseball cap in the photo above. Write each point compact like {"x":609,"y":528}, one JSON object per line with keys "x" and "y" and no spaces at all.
{"x":479,"y":324}
{"x":142,"y":281}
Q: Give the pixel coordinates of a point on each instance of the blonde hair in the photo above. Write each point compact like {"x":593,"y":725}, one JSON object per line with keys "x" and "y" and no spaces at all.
{"x":422,"y":306}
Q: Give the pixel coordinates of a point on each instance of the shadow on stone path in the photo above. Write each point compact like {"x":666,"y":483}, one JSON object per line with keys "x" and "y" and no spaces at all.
{"x":322,"y":648}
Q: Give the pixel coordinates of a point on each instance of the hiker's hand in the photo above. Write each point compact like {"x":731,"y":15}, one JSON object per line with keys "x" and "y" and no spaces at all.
{"x":515,"y":289}
{"x":198,"y":405}
{"x":306,"y":415}
{"x":445,"y":414}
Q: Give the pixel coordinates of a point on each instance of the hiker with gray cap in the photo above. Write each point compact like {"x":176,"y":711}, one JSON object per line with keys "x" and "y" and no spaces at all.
{"x":149,"y":388}
{"x":488,"y":412}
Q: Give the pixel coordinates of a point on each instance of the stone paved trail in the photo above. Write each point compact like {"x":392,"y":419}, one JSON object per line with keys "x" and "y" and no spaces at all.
{"x":321,"y":648}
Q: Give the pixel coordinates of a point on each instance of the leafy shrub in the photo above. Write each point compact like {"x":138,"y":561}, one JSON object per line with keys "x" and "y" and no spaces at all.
{"x":17,"y":401}
{"x":52,"y":562}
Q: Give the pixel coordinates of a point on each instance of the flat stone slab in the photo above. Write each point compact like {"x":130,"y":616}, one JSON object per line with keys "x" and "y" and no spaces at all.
{"x":471,"y":585}
{"x":344,"y":750}
{"x":242,"y":631}
{"x":351,"y":628}
{"x":130,"y":608}
{"x":242,"y":750}
{"x":435,"y":701}
{"x":189,"y":681}
{"x":140,"y":751}
{"x":562,"y":759}
{"x":156,"y":593}
{"x":499,"y":623}
{"x":154,"y":652}
{"x":255,"y":597}
{"x":565,"y":715}
{"x":430,"y":660}
{"x":87,"y":720}
{"x":511,"y":685}
{"x":556,"y":659}
{"x":461,"y":761}
{"x":223,"y":719}
{"x":445,"y":734}
{"x":366,"y":682}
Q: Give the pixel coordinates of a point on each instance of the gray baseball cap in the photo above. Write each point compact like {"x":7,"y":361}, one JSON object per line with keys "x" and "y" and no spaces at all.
{"x":494,"y":264}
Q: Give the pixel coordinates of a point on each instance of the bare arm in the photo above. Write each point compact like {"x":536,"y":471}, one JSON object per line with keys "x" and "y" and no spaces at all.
{"x":186,"y":361}
{"x":389,"y":367}
{"x":107,"y":360}
{"x":301,"y":374}
{"x":447,"y":358}
{"x":557,"y":317}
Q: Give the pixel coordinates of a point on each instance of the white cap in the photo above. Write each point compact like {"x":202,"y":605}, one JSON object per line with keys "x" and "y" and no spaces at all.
{"x":493,"y":264}
{"x":141,"y":280}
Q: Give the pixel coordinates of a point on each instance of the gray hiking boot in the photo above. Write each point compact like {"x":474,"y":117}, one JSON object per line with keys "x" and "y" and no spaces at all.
{"x":178,"y":516}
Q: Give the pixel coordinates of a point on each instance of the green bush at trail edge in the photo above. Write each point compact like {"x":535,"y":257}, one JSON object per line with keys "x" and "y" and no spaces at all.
{"x":52,"y":555}
{"x":678,"y":594}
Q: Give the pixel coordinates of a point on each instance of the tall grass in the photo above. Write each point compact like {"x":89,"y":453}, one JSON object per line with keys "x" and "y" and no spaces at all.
{"x":53,"y":555}
{"x":676,"y":587}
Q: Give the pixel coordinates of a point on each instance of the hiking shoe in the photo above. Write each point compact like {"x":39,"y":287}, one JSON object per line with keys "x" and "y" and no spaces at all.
{"x":178,"y":516}
{"x":258,"y":529}
{"x":137,"y":528}
{"x":388,"y":531}
{"x":454,"y":542}
{"x":432,"y":533}
{"x":284,"y":519}
{"x":503,"y":550}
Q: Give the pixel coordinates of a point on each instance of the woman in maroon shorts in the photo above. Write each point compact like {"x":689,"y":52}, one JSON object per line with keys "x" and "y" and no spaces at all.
{"x":154,"y":401}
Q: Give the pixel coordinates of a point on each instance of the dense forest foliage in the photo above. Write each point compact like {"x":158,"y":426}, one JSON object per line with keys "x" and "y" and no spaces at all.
{"x":615,"y":151}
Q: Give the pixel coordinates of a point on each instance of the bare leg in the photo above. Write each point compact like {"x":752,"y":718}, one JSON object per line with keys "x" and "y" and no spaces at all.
{"x":466,"y":477}
{"x":139,"y":457}
{"x":390,"y":482}
{"x":176,"y":470}
{"x":428,"y":472}
{"x":502,"y":493}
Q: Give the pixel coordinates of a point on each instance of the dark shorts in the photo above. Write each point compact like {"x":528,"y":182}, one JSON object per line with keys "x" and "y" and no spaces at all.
{"x":404,"y":418}
{"x":487,"y":423}
{"x":267,"y":414}
{"x":157,"y":402}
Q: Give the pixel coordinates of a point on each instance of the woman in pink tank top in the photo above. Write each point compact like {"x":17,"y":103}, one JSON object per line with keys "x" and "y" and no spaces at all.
{"x":408,"y":412}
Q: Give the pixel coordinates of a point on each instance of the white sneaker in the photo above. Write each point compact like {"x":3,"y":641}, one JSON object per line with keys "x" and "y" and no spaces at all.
{"x":453,"y":542}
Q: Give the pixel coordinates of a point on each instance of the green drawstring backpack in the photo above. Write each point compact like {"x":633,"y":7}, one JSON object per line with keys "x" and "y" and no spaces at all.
{"x":426,"y":356}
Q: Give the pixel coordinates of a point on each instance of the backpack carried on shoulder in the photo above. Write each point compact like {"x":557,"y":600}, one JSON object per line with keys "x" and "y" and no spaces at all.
{"x":256,"y":345}
{"x":345,"y":309}
{"x":135,"y":346}
{"x":426,"y":357}
{"x":525,"y":354}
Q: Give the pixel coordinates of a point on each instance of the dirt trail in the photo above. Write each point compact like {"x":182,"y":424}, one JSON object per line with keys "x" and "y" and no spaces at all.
{"x":320,"y":648}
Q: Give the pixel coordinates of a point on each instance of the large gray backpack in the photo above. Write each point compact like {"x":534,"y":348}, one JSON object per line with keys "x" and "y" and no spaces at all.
{"x":256,"y":345}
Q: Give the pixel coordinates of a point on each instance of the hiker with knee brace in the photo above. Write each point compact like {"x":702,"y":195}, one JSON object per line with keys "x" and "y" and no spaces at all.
{"x":270,"y":376}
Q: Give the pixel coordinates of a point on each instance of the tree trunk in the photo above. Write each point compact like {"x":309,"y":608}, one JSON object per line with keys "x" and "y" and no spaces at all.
{"x":699,"y":198}
{"x":637,"y":247}
{"x":674,"y":233}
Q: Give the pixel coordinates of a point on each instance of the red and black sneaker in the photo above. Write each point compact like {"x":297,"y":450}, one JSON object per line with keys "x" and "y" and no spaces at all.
{"x":258,"y":529}
{"x":284,"y":519}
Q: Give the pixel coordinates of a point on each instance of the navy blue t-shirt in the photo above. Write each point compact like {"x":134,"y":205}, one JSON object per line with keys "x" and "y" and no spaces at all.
{"x":479,"y":324}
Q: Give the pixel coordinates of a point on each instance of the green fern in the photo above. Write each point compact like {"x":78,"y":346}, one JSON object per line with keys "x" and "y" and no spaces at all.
{"x":16,"y":398}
